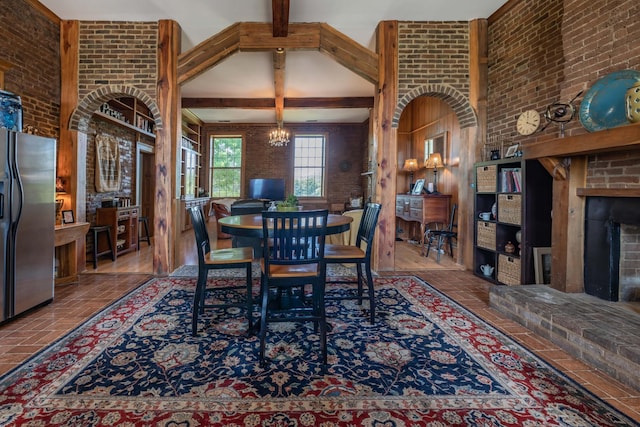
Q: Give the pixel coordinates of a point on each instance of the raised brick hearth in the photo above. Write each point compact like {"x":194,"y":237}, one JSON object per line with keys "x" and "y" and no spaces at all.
{"x":605,"y":335}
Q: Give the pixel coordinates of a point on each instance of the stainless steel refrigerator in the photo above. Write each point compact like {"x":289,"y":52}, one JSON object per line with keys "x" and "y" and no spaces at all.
{"x":27,"y":221}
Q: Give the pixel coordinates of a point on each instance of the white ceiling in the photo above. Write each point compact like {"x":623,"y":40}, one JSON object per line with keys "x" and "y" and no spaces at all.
{"x":250,"y":75}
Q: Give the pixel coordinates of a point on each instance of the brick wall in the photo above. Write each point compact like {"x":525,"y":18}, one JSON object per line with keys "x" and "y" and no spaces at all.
{"x":118,"y":53}
{"x":345,"y":143}
{"x":544,"y":51}
{"x":30,"y":43}
{"x":433,"y":53}
{"x":525,"y":66}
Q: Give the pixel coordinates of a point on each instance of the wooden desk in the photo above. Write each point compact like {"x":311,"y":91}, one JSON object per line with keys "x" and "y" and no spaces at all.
{"x":424,"y":209}
{"x":67,"y":238}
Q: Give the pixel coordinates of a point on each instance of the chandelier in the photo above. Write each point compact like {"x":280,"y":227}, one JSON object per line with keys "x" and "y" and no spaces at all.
{"x":279,"y":137}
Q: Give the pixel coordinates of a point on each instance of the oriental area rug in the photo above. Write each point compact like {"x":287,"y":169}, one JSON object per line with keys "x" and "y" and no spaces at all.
{"x":426,"y":362}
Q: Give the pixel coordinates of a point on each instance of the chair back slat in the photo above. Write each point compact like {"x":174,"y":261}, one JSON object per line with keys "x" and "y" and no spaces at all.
{"x":200,"y":229}
{"x":452,"y":220}
{"x":294,"y":237}
{"x":368,"y":224}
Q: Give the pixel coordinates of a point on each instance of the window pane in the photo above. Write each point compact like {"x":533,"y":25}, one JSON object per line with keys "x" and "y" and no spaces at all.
{"x":226,"y":166}
{"x":308,"y":175}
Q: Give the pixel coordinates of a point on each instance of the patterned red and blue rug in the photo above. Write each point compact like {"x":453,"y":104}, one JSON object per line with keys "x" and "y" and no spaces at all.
{"x":426,"y":362}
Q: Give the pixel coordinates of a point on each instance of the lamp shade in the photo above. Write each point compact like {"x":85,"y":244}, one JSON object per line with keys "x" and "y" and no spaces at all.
{"x":434,"y":161}
{"x":410,"y":165}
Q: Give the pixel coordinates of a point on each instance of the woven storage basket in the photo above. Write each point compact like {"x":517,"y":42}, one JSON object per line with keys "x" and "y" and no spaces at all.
{"x":486,"y":235}
{"x":486,"y":179}
{"x":508,"y":270}
{"x":509,"y":208}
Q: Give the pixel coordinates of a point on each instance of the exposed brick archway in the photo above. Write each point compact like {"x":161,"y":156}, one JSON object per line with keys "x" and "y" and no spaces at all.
{"x":92,"y":101}
{"x":455,"y":99}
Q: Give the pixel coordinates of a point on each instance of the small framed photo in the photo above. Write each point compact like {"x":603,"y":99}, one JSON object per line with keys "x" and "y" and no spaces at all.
{"x":542,"y":265}
{"x":417,"y":188}
{"x":67,"y":217}
{"x":511,"y":151}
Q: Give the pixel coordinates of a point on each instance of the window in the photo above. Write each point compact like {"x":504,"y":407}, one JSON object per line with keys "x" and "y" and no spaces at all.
{"x":225,"y":165}
{"x":309,"y":165}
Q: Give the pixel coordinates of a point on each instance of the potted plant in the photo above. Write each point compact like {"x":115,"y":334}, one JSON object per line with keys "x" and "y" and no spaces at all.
{"x":289,"y":204}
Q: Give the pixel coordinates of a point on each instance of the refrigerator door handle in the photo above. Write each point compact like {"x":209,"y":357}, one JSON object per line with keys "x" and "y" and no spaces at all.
{"x":1,"y":205}
{"x":16,"y":191}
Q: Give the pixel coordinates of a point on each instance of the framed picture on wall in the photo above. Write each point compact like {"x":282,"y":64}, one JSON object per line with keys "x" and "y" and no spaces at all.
{"x":437,"y":144}
{"x":417,"y":188}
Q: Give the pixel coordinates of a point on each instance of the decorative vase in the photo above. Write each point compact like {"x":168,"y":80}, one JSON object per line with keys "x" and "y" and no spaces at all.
{"x":632,"y":102}
{"x":509,"y":247}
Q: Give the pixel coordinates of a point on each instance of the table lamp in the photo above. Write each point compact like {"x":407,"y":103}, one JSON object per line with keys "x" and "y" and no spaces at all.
{"x":410,"y":165}
{"x":434,"y":161}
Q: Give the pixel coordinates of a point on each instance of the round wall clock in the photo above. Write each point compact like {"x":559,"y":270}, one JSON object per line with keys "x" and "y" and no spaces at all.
{"x":528,"y":122}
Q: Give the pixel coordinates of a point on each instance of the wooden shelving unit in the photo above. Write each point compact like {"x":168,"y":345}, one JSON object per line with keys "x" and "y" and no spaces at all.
{"x":129,"y":113}
{"x":124,"y":228}
{"x":521,"y":209}
{"x":191,"y":158}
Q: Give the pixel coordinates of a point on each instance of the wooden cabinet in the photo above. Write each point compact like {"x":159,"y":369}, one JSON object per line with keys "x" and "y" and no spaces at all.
{"x":124,"y":228}
{"x":517,"y":196}
{"x":423,"y":209}
{"x":130,"y":113}
{"x":191,"y":157}
{"x":185,"y":205}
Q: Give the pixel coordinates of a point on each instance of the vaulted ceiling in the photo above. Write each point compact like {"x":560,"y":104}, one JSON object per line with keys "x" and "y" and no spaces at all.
{"x":262,"y":61}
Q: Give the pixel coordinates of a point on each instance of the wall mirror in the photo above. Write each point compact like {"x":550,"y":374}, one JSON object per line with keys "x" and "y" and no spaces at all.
{"x":437,"y":144}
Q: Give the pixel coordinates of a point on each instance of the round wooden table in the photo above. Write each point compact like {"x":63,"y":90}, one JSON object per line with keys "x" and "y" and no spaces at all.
{"x":251,"y":225}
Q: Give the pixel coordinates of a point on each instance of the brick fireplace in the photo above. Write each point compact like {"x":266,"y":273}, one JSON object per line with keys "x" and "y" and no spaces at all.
{"x":612,"y":248}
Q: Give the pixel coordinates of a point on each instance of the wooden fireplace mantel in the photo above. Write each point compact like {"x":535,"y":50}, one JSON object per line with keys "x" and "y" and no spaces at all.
{"x":608,"y":192}
{"x":616,"y":139}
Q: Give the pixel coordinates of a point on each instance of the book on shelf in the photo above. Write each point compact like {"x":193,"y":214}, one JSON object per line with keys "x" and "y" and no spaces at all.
{"x":511,"y":180}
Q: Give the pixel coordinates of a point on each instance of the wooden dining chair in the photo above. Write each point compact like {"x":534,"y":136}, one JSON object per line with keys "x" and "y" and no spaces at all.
{"x":440,"y":237}
{"x":360,"y":255}
{"x":293,"y":259}
{"x":215,"y":260}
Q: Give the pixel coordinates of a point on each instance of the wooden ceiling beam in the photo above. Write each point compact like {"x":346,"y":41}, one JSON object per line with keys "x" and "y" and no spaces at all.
{"x":208,"y":53}
{"x":349,"y":53}
{"x":279,"y":59}
{"x":269,"y":103}
{"x":280,"y":17}
{"x":256,"y":36}
{"x":249,"y":103}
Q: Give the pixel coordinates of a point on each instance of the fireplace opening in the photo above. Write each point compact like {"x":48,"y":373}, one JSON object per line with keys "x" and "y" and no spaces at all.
{"x":612,"y":248}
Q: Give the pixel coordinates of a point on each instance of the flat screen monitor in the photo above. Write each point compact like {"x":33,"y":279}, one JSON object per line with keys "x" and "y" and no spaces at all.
{"x":266,"y":188}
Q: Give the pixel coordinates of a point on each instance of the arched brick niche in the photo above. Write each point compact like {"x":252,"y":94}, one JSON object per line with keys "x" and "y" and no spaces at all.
{"x":454,"y":98}
{"x":89,"y":104}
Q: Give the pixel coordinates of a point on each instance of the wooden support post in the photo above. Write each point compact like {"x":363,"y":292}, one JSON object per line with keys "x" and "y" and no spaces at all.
{"x":166,"y":234}
{"x":71,"y":145}
{"x":385,"y":144}
{"x":567,"y":230}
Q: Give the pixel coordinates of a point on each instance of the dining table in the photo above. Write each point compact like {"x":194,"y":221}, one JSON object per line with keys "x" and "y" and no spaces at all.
{"x":250,"y":225}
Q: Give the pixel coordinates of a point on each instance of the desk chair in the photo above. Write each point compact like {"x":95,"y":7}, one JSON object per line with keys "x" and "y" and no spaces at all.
{"x":293,"y":258}
{"x":358,"y":255}
{"x":215,"y":260}
{"x":446,"y":234}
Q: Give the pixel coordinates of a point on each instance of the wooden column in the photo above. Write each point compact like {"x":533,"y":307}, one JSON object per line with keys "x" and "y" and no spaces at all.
{"x":165,"y":231}
{"x":69,"y":148}
{"x":471,"y":139}
{"x":567,"y":229}
{"x":385,"y":144}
